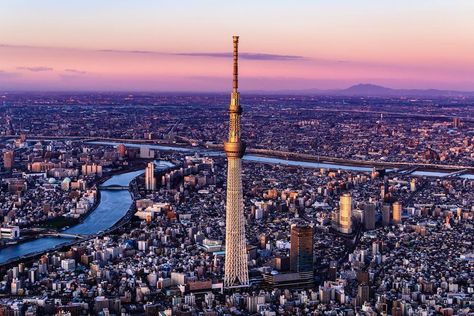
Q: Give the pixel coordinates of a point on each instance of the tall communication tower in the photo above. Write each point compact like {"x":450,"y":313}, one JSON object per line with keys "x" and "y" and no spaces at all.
{"x":236,"y":269}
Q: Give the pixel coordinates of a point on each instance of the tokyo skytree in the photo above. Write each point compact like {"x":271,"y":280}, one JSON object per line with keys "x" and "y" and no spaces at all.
{"x":236,"y":269}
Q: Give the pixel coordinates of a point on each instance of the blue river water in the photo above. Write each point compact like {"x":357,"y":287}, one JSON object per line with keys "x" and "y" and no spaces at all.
{"x":112,"y":207}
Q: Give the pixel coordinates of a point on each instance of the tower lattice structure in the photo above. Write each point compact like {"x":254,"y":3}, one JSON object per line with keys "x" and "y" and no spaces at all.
{"x":236,"y":268}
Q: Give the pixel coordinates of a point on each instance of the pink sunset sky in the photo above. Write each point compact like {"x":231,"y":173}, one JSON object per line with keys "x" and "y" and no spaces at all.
{"x":185,"y":45}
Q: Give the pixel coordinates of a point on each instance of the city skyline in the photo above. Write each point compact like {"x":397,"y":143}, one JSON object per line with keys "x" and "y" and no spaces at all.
{"x":169,"y":46}
{"x":135,"y":179}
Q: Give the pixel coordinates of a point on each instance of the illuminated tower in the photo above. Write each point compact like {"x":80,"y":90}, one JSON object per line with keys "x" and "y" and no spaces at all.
{"x":345,"y":213}
{"x":236,"y":269}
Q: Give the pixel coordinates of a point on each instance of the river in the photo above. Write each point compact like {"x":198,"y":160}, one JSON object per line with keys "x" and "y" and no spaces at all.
{"x":272,"y":160}
{"x":112,"y":207}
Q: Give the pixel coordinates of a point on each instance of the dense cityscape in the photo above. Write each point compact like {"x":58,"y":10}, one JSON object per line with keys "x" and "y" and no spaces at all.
{"x":379,"y":238}
{"x":153,"y":162}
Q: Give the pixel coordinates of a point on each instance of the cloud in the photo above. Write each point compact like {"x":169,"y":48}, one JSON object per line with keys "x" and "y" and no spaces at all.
{"x":36,"y":68}
{"x":249,"y":56}
{"x":119,"y":51}
{"x":243,"y":55}
{"x":76,"y":71}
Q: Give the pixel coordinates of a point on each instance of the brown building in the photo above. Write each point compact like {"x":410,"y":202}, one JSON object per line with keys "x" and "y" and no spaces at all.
{"x":301,"y":251}
{"x":397,"y":213}
{"x":363,"y":294}
{"x":8,"y":159}
{"x":282,"y":263}
{"x":121,"y":150}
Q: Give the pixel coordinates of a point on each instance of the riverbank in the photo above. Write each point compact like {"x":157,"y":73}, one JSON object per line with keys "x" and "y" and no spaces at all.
{"x":114,"y":205}
{"x":110,"y":216}
{"x":212,"y":149}
{"x":61,"y":223}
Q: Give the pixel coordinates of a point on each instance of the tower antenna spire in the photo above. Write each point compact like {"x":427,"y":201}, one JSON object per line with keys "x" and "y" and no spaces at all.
{"x":235,"y":81}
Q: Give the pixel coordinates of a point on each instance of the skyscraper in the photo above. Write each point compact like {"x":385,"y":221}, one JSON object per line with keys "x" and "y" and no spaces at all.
{"x":121,"y":150}
{"x":301,"y":250}
{"x":386,"y":214}
{"x":236,"y":269}
{"x":369,"y":216}
{"x":150,"y":181}
{"x":397,"y":213}
{"x":8,"y":158}
{"x":345,"y":213}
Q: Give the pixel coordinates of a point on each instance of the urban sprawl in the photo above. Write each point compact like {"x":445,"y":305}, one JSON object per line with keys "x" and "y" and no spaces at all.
{"x":352,"y":205}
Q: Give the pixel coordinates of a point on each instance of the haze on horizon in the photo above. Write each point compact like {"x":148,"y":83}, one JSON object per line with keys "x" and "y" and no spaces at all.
{"x":185,"y":45}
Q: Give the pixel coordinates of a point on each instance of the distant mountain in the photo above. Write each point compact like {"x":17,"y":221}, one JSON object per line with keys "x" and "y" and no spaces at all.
{"x":374,"y":90}
{"x":371,"y":90}
{"x":366,"y":89}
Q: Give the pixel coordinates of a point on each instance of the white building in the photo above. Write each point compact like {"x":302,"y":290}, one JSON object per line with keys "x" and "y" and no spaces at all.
{"x":10,"y":232}
{"x":146,"y":152}
{"x":68,"y":264}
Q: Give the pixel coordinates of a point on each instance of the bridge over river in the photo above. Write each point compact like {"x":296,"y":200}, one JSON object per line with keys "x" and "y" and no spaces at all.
{"x":64,"y":235}
{"x":113,"y":187}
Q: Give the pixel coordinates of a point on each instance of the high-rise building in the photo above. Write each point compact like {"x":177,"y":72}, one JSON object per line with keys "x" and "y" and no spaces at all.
{"x":301,"y":250}
{"x":91,"y":169}
{"x":8,"y":158}
{"x":369,"y":216}
{"x":345,"y":213}
{"x":383,"y":192}
{"x":397,"y":213}
{"x":363,"y":294}
{"x":150,"y":181}
{"x":386,"y":214}
{"x":236,"y":266}
{"x":456,"y":122}
{"x":146,"y":152}
{"x":121,"y":150}
{"x":68,"y":264}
